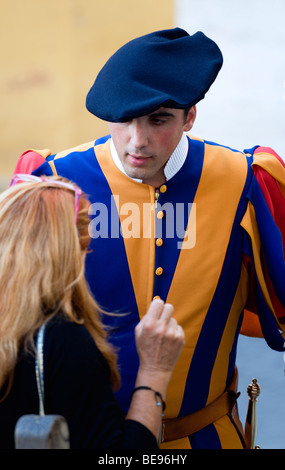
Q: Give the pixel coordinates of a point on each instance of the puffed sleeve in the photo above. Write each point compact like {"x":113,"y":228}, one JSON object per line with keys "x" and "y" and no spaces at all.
{"x":264,"y":224}
{"x":30,"y":160}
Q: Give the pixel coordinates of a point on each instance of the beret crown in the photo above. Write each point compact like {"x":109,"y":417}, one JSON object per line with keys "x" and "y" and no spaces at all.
{"x":166,"y":68}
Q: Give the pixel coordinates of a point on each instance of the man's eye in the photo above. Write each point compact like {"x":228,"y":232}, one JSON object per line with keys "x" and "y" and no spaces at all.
{"x":158,"y":121}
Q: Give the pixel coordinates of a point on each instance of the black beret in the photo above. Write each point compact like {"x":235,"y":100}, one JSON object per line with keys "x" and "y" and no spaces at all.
{"x":167,"y":68}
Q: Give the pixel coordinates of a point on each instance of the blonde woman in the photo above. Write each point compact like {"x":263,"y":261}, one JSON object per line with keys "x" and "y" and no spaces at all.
{"x":43,"y":242}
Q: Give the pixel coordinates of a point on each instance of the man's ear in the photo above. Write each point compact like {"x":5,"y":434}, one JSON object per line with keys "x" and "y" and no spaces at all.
{"x":190,"y":119}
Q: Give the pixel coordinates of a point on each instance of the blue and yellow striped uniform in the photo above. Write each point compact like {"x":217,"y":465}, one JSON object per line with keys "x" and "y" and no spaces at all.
{"x":234,"y":261}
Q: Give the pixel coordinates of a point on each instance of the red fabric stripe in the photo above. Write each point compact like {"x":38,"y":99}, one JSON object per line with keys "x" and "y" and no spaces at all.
{"x":28,"y":162}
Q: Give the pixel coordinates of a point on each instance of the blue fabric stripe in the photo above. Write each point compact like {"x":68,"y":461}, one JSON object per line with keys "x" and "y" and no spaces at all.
{"x":247,"y":151}
{"x":207,"y":438}
{"x":210,"y":336}
{"x":181,"y":190}
{"x":43,"y":169}
{"x":269,"y":328}
{"x":232,"y":358}
{"x":271,"y":240}
{"x":48,"y":159}
{"x":251,"y":150}
{"x":102,"y":140}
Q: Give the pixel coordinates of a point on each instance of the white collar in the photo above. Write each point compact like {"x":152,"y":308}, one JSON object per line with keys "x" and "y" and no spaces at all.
{"x":173,"y":165}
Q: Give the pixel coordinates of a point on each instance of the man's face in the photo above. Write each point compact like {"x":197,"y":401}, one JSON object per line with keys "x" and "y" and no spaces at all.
{"x":145,"y":144}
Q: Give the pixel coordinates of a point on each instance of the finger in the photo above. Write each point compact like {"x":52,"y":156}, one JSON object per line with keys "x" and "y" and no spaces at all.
{"x":156,"y":308}
{"x":174,"y":330}
{"x":180,"y":333}
{"x":167,"y":312}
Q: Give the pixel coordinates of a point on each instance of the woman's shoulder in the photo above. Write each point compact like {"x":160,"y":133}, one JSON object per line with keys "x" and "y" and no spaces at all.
{"x":64,"y":330}
{"x":67,"y":341}
{"x":64,"y":327}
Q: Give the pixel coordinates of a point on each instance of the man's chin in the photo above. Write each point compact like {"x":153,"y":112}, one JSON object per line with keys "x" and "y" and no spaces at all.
{"x":135,"y":175}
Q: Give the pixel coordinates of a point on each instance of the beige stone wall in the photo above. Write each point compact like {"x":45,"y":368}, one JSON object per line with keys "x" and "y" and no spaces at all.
{"x":51,"y":51}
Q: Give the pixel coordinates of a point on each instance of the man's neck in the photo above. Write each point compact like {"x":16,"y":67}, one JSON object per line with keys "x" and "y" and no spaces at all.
{"x":157,"y":180}
{"x":173,"y":165}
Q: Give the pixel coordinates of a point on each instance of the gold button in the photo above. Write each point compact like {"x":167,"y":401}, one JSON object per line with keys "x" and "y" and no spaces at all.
{"x":163,"y":188}
{"x":159,"y":242}
{"x":156,"y":297}
{"x":160,"y":214}
{"x":158,"y":271}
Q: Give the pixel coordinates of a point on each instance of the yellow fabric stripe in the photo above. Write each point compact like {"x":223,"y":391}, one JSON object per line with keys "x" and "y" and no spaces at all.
{"x":223,"y":177}
{"x":53,"y":168}
{"x":271,"y":164}
{"x":79,"y":148}
{"x":220,"y":369}
{"x":141,"y":255}
{"x":251,"y":325}
{"x":44,"y":153}
{"x":178,"y":444}
{"x":228,"y":435}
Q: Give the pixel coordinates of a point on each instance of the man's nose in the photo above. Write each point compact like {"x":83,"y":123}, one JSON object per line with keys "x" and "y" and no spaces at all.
{"x":139,"y":134}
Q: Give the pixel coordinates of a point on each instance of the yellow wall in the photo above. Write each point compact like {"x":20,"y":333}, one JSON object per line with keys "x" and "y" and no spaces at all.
{"x":51,"y":52}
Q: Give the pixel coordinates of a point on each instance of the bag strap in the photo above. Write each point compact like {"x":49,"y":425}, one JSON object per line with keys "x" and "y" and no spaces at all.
{"x":39,"y":365}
